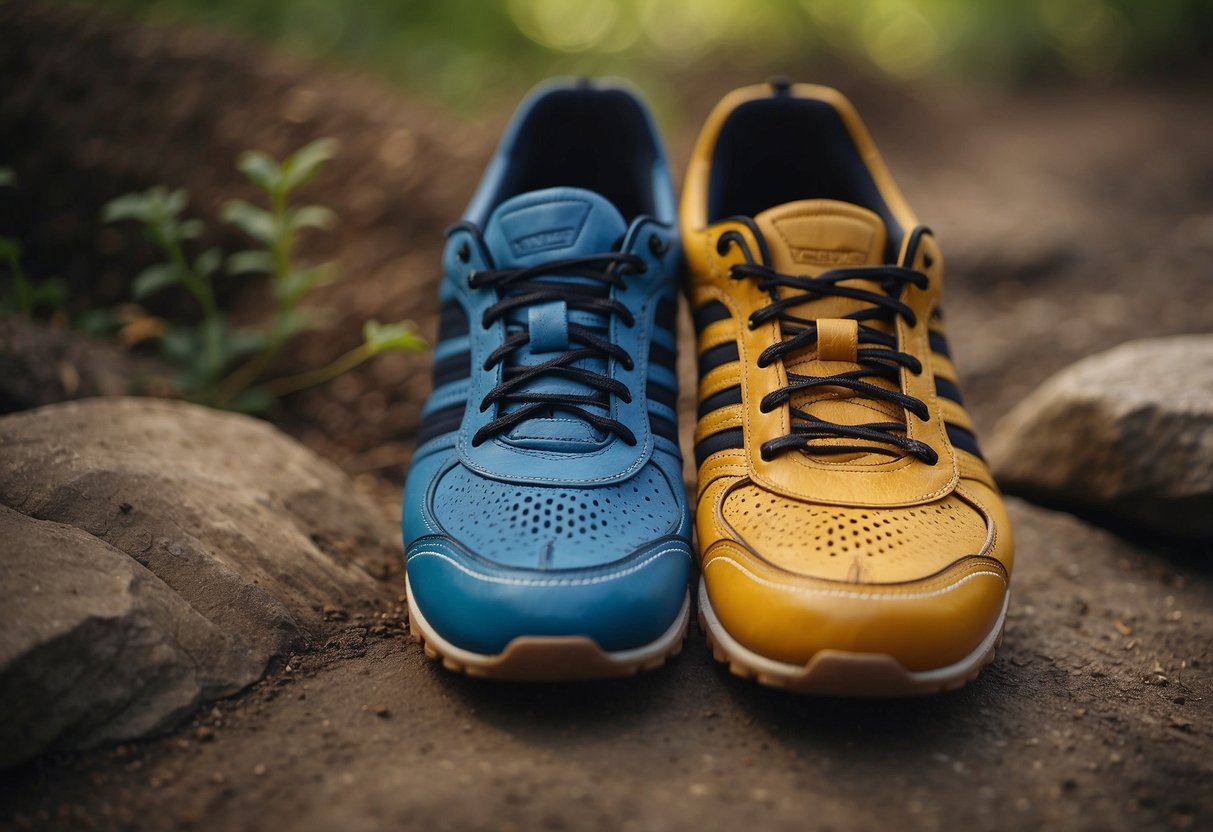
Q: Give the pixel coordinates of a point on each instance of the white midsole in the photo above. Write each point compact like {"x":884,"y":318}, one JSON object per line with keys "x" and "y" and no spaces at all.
{"x":764,"y":665}
{"x":664,"y":643}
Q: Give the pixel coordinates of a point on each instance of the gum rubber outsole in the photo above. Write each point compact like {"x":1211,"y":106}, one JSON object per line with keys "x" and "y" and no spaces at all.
{"x":842,"y":673}
{"x":549,"y":658}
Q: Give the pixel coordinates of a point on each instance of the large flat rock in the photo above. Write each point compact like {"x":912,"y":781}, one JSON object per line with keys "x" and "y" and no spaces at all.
{"x":157,"y":555}
{"x":1127,"y":434}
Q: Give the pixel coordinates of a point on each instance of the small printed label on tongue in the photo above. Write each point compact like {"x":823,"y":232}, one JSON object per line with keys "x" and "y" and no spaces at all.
{"x":822,"y":234}
{"x":530,"y":228}
{"x":564,"y":221}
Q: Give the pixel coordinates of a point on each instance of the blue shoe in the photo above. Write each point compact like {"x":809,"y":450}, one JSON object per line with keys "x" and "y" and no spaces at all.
{"x":546,"y":523}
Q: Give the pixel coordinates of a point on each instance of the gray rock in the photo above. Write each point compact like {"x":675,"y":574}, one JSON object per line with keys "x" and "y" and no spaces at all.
{"x":1127,"y":433}
{"x":155,"y":555}
{"x":95,"y":644}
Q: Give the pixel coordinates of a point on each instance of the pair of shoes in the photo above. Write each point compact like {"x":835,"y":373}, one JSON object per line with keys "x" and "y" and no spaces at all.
{"x":850,"y":537}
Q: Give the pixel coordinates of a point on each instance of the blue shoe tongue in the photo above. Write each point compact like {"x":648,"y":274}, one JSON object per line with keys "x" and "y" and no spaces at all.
{"x":536,"y":228}
{"x":552,"y":224}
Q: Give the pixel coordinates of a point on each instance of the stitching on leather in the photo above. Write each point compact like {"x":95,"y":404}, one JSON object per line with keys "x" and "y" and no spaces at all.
{"x":838,"y":593}
{"x":500,"y":579}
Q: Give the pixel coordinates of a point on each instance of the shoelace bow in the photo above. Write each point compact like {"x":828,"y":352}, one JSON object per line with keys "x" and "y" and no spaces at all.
{"x":520,"y":288}
{"x":877,"y":357}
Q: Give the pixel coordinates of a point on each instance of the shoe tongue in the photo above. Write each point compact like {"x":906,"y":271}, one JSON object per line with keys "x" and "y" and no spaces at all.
{"x":540,"y":227}
{"x":551,"y":224}
{"x":811,"y":237}
{"x":814,"y":235}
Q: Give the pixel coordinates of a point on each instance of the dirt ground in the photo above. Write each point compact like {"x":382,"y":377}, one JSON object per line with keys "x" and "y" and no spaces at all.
{"x":1072,"y":218}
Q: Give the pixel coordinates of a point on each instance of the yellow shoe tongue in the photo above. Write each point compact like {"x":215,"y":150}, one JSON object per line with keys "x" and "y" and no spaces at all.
{"x":810,"y":237}
{"x":815,"y":235}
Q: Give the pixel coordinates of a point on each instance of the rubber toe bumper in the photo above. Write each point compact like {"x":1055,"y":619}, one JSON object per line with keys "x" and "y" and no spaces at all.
{"x":923,"y":625}
{"x":621,"y":607}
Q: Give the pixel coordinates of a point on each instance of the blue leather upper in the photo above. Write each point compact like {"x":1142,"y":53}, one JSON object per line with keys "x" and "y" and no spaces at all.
{"x":554,"y":526}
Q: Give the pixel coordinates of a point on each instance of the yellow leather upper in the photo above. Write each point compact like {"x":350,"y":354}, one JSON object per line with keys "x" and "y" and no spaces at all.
{"x":856,"y":551}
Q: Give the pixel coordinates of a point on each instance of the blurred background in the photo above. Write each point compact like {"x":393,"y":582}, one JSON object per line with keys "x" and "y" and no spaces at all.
{"x":468,"y":52}
{"x":1058,"y":148}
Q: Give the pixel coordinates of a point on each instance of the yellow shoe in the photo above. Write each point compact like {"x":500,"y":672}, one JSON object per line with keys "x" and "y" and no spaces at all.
{"x":851,"y":537}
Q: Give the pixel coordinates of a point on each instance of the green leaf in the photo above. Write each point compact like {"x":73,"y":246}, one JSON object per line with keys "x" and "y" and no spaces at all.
{"x":246,"y":341}
{"x":48,"y":294}
{"x":253,"y":400}
{"x":8,"y":179}
{"x":311,"y":216}
{"x":252,"y":261}
{"x":260,"y":169}
{"x":390,"y":337}
{"x":181,"y":345}
{"x":173,"y":203}
{"x":305,"y":163}
{"x":190,"y":230}
{"x":153,"y":279}
{"x":298,"y":282}
{"x":297,"y":321}
{"x":127,"y":207}
{"x":208,"y":261}
{"x":99,"y":321}
{"x":253,"y":221}
{"x":10,"y":248}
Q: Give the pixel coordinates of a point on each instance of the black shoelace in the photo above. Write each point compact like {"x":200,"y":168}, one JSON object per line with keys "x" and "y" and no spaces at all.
{"x":878,"y":355}
{"x":521,"y":288}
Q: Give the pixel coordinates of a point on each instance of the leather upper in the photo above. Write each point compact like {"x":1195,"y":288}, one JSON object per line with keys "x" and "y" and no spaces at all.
{"x":856,"y":551}
{"x":552,"y":526}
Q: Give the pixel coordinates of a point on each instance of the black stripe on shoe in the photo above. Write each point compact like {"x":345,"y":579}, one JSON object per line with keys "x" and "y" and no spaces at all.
{"x":948,"y":390}
{"x":661,"y":356}
{"x":939,"y":343}
{"x":667,"y":313}
{"x":717,"y":356}
{"x":710,"y":313}
{"x":663,"y":395}
{"x":730,"y":438}
{"x":726,"y":397}
{"x":663,"y":427}
{"x":963,"y":440}
{"x":452,"y":368}
{"x":440,"y":422}
{"x":452,"y":321}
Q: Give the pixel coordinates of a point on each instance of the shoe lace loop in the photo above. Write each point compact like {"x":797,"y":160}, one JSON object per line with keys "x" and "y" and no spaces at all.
{"x":519,"y":288}
{"x":878,"y":356}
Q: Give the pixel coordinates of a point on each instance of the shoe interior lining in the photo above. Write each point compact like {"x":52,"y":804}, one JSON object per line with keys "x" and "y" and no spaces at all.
{"x":782,"y":149}
{"x":597,"y":139}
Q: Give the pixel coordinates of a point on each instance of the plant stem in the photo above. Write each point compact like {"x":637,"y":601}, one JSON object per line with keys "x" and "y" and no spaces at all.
{"x":23,"y":290}
{"x":201,"y":289}
{"x":244,"y":375}
{"x":311,"y":378}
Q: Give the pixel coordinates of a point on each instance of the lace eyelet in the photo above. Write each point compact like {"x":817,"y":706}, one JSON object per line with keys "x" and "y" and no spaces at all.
{"x":465,"y":253}
{"x":657,"y":246}
{"x":471,"y":279}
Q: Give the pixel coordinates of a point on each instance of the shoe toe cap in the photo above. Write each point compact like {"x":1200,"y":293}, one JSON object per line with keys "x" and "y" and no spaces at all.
{"x":926,"y":624}
{"x":481,"y":609}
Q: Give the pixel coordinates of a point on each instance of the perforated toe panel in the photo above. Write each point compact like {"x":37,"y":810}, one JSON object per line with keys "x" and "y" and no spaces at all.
{"x":540,"y":527}
{"x":855,"y":544}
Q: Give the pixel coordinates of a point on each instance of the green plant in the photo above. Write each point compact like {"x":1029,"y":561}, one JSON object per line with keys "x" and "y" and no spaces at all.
{"x":203,"y":351}
{"x":25,"y":295}
{"x":222,"y":365}
{"x":276,"y":231}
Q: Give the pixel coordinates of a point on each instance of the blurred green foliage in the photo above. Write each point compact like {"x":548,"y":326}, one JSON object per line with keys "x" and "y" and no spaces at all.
{"x":219,"y":364}
{"x":20,"y":293}
{"x":464,"y":51}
